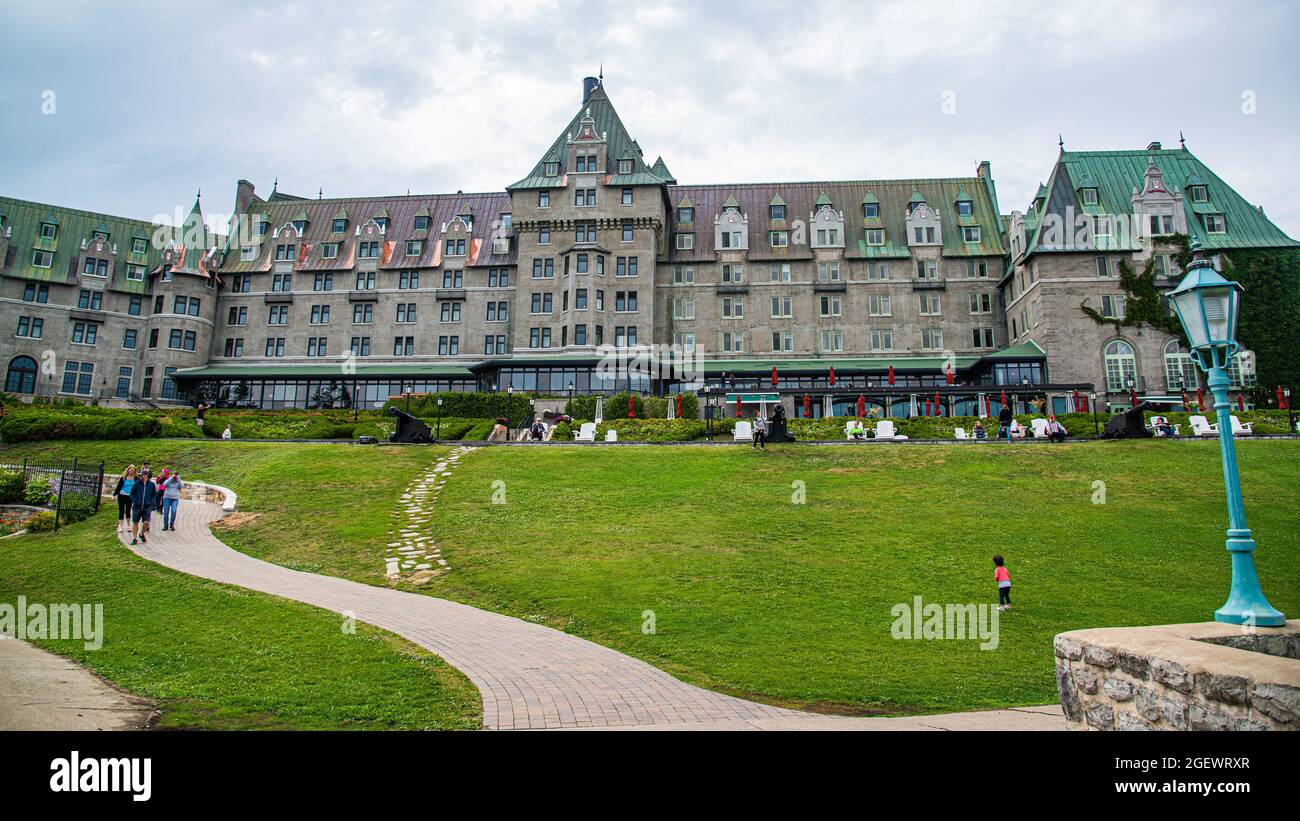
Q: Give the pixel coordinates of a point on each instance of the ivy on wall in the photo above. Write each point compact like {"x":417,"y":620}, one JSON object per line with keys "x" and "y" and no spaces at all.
{"x":1269,"y":323}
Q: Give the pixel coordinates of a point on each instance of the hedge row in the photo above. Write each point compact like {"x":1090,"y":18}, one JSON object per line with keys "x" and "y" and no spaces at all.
{"x":33,"y":426}
{"x":463,"y":405}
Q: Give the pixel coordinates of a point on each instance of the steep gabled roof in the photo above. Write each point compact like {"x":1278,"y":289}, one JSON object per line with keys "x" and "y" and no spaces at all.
{"x":608,"y":125}
{"x":1115,"y":174}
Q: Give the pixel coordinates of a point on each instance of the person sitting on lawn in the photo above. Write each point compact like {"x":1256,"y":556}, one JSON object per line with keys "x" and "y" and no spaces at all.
{"x":1056,"y":432}
{"x":225,"y":434}
{"x":979,"y":431}
{"x":538,"y":430}
{"x":856,"y":430}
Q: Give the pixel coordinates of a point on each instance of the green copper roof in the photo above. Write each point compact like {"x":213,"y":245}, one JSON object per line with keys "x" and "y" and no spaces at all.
{"x":916,"y":197}
{"x":776,"y":200}
{"x":660,"y":170}
{"x":962,"y":196}
{"x":1116,"y":173}
{"x":323,"y":371}
{"x":606,"y":124}
{"x":731,"y":202}
{"x":870,"y":197}
{"x":822,"y":199}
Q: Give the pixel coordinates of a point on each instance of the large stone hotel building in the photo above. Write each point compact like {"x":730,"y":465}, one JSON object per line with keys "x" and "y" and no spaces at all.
{"x":898,"y":287}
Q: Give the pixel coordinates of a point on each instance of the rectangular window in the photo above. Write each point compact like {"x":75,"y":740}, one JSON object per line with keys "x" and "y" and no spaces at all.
{"x":981,"y":337}
{"x":683,"y":308}
{"x":685,"y":215}
{"x":830,"y":304}
{"x":274,"y":346}
{"x":627,"y":196}
{"x":453,"y":279}
{"x":779,"y":239}
{"x":683,"y":275}
{"x":627,"y":230}
{"x":85,"y":333}
{"x":930,"y":304}
{"x":1089,"y":196}
{"x":832,"y":340}
{"x":406,"y":312}
{"x":733,"y":273}
{"x":1112,"y":306}
{"x":733,"y":307}
{"x":981,"y":303}
{"x":414,"y":247}
{"x":31,"y":327}
{"x":363,"y":313}
{"x":782,"y":341}
{"x":42,"y":259}
{"x":1215,"y":224}
{"x":1103,"y":267}
{"x":543,"y":199}
{"x":404,"y":346}
{"x":685,"y":242}
{"x":882,"y":339}
{"x":450,"y":311}
{"x":828,"y":271}
{"x":779,"y":272}
{"x":970,"y":233}
{"x":878,"y":305}
{"x":320,"y":314}
{"x":78,"y":377}
{"x":625,"y":267}
{"x":234,"y":347}
{"x":277,"y":315}
{"x":782,"y":307}
{"x":94,"y":301}
{"x":877,"y":271}
{"x":317,"y":346}
{"x":927,"y":269}
{"x":875,"y":236}
{"x":931,"y":339}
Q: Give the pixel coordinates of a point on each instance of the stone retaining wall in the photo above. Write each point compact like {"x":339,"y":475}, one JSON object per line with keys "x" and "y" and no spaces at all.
{"x":1206,"y":676}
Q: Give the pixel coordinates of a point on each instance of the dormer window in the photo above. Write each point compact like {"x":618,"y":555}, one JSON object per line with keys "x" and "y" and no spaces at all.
{"x":871,"y":210}
{"x":49,"y":230}
{"x":970,"y":233}
{"x":875,"y":236}
{"x":685,"y":215}
{"x":248,"y":253}
{"x":507,"y":220}
{"x":100,"y":235}
{"x":339,"y":226}
{"x":1161,"y":224}
{"x":551,"y":169}
{"x":1215,"y":224}
{"x":422,"y":223}
{"x":776,"y":212}
{"x":139,"y":245}
{"x":329,"y":250}
{"x":1088,"y":195}
{"x":965,"y":208}
{"x":625,"y":166}
{"x":382,"y":222}
{"x":1200,"y":194}
{"x":414,"y":247}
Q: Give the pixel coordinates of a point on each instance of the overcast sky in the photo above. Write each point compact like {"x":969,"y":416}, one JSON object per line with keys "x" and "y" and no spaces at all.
{"x":153,"y":102}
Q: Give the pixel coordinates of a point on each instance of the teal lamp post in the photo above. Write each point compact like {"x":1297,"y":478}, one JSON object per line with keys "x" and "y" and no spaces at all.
{"x":1207,"y":306}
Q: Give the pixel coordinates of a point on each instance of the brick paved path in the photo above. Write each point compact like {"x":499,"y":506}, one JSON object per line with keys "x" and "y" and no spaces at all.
{"x":530,"y":676}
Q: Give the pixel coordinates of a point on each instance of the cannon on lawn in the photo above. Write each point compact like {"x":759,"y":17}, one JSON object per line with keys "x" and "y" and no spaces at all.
{"x":409,"y":429}
{"x":1129,"y":424}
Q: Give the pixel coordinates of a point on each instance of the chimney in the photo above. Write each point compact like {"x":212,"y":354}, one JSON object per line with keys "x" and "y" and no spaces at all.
{"x":588,"y":83}
{"x":984,"y":170}
{"x":1155,"y":146}
{"x":243,"y":196}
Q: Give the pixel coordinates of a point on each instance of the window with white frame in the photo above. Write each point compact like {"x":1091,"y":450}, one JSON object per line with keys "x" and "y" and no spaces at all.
{"x":779,"y":272}
{"x":683,"y":308}
{"x":882,"y":339}
{"x":782,"y":341}
{"x":981,"y":303}
{"x":782,"y":307}
{"x":829,"y":304}
{"x":683,"y":275}
{"x":832,"y":340}
{"x":930,"y":304}
{"x":878,"y":305}
{"x":1112,"y":306}
{"x":733,"y":307}
{"x":931,"y":339}
{"x":1121,"y":365}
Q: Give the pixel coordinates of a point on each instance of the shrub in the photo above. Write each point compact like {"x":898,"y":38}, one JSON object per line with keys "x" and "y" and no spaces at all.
{"x":562,"y":433}
{"x":12,"y":490}
{"x":39,"y":492}
{"x":41,"y":522}
{"x":652,"y":430}
{"x":481,"y":430}
{"x":326,"y":429}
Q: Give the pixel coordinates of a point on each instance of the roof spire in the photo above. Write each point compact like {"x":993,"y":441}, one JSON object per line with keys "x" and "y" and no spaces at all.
{"x":1060,"y":141}
{"x":1182,"y":141}
{"x":320,"y":194}
{"x":601,"y":75}
{"x":275,"y":187}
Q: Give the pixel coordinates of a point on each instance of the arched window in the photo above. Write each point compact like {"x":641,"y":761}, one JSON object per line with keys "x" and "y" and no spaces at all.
{"x":1121,"y":366}
{"x":1180,"y":370}
{"x":21,"y":377}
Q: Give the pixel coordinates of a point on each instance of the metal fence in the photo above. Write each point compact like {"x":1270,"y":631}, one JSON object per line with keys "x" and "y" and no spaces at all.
{"x":76,"y":487}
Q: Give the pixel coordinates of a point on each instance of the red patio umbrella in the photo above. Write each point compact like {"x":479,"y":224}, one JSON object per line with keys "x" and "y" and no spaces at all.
{"x":737,"y":406}
{"x":631,"y":406}
{"x":679,"y":406}
{"x":832,"y":376}
{"x":862,"y":405}
{"x":1281,"y":400}
{"x":1200,"y":399}
{"x":1187,"y":405}
{"x":774,"y":376}
{"x":891,"y":374}
{"x":988,"y":411}
{"x":807,"y":406}
{"x":1241,"y":404}
{"x":1133,"y":396}
{"x":938,"y":408}
{"x":948,"y":375}
{"x":1076,"y":402}
{"x":1004,"y":397}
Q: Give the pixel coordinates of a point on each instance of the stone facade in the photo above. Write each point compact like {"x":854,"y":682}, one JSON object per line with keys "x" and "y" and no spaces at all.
{"x":1180,"y":677}
{"x":598,"y":246}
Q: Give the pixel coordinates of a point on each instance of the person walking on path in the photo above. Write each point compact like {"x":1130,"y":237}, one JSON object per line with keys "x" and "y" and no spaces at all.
{"x":1005,"y":418}
{"x":1003,"y":577}
{"x":142,"y":501}
{"x":171,"y":500}
{"x":122,"y":492}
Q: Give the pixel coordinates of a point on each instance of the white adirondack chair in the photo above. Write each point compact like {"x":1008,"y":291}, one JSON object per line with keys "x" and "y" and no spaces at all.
{"x":959,"y":433}
{"x":885,"y":430}
{"x":1239,"y":429}
{"x":611,"y":435}
{"x":848,"y":430}
{"x":1159,"y":422}
{"x":1040,"y":428}
{"x":586,"y":432}
{"x":744,"y":432}
{"x":1202,"y":427}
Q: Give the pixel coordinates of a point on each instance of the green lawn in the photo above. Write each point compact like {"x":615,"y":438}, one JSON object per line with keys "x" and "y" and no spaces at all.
{"x":787,"y":603}
{"x":215,"y":656}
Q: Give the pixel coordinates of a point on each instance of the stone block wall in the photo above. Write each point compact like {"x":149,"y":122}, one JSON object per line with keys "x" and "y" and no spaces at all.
{"x":1206,"y":676}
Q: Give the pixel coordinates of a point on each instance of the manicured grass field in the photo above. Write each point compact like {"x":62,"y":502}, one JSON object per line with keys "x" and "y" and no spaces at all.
{"x":215,"y":656}
{"x":788,"y":603}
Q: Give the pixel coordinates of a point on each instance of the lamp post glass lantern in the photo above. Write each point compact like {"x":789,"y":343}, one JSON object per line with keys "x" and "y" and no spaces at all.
{"x":1207,"y":306}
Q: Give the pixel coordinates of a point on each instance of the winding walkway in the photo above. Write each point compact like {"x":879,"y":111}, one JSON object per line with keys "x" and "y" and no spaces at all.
{"x":530,"y":676}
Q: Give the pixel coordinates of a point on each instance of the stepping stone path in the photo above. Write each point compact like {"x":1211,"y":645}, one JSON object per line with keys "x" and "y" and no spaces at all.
{"x":412,"y":550}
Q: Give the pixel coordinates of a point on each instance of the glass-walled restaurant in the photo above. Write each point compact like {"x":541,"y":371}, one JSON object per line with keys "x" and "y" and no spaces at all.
{"x":369,"y":386}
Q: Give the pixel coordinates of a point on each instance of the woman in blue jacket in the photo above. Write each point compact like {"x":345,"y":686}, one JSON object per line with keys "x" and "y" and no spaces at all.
{"x":143,"y":501}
